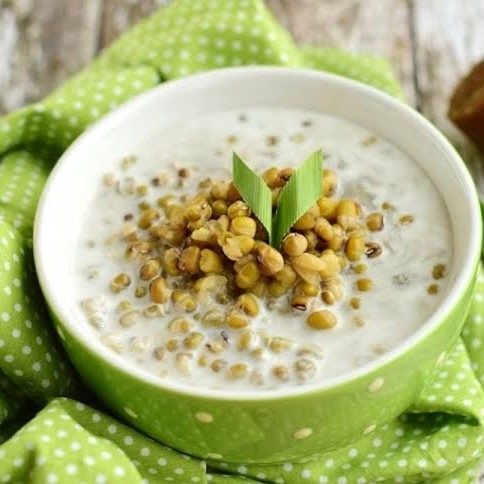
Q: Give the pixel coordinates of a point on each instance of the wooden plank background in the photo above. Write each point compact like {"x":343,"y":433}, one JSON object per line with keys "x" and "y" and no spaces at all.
{"x":430,"y":44}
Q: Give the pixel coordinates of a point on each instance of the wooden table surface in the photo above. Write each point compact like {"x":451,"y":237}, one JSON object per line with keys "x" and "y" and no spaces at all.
{"x":430,"y":43}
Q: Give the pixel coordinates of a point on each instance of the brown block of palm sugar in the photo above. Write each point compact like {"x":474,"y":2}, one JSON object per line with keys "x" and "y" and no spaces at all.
{"x":466,"y":108}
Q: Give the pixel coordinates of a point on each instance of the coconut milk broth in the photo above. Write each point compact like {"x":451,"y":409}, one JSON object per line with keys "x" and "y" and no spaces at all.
{"x":369,"y":169}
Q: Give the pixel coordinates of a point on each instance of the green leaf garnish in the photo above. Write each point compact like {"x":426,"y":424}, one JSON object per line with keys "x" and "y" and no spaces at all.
{"x":298,"y":195}
{"x":254,"y":191}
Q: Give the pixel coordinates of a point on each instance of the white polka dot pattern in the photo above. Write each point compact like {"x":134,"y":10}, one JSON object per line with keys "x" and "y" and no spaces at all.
{"x":70,"y":442}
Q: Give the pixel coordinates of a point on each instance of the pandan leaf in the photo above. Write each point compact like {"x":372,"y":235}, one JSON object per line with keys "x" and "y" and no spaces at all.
{"x":254,"y":191}
{"x":299,"y":194}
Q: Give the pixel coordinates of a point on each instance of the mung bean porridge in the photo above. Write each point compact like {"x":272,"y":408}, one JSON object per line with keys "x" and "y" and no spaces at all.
{"x":176,"y":275}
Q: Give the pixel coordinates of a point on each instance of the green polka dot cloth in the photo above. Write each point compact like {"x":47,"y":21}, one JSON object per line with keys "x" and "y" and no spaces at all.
{"x":51,"y":430}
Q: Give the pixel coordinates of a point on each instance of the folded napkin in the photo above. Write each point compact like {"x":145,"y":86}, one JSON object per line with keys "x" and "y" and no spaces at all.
{"x":52,"y":430}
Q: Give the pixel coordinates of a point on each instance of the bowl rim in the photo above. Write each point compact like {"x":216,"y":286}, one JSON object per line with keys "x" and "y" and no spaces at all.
{"x":453,"y":296}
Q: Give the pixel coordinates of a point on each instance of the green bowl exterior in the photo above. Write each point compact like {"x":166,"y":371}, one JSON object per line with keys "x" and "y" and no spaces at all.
{"x":270,"y":430}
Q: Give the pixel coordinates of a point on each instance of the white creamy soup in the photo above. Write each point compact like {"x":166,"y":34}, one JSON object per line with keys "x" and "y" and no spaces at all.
{"x":173,"y":279}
